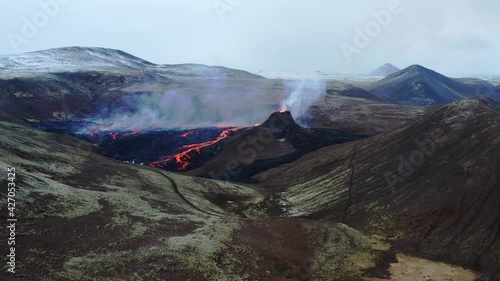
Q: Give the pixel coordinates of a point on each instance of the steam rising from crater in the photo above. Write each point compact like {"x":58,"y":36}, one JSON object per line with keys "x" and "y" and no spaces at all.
{"x":302,"y":94}
{"x":177,"y":109}
{"x":212,"y":105}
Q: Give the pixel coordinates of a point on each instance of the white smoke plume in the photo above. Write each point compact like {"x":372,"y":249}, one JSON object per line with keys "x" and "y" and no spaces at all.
{"x":302,"y":94}
{"x":179,"y":110}
{"x":215,"y":103}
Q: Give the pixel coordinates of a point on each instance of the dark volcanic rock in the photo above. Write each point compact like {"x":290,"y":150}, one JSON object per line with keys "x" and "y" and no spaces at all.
{"x":282,"y":122}
{"x":277,"y":141}
{"x":155,"y":225}
{"x":433,"y":187}
{"x":354,"y":110}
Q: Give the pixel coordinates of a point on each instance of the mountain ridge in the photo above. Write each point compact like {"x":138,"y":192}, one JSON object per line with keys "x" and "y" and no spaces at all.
{"x":417,"y":85}
{"x":432,"y":186}
{"x":78,"y":59}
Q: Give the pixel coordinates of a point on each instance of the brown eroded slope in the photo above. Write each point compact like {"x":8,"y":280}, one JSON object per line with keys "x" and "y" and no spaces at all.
{"x":85,"y":217}
{"x":445,"y":206}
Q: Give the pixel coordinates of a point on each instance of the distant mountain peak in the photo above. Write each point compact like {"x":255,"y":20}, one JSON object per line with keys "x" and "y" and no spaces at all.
{"x":384,"y":70}
{"x":417,"y":68}
{"x":417,"y":85}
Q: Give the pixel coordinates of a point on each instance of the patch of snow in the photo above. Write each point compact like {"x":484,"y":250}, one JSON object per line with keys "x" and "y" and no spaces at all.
{"x":318,"y":76}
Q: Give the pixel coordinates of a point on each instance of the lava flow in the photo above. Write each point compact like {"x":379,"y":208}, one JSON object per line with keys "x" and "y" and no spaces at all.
{"x":193,"y":132}
{"x":183,"y":157}
{"x":132,"y":133}
{"x":94,"y":132}
{"x":114,"y":135}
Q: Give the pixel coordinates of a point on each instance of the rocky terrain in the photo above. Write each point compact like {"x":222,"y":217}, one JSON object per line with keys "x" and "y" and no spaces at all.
{"x":355,"y":110}
{"x":87,"y":217}
{"x":389,"y":180}
{"x":431,"y":187}
{"x":276,"y":141}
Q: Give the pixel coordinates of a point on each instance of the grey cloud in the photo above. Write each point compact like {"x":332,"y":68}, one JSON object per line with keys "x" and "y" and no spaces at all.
{"x":270,"y":35}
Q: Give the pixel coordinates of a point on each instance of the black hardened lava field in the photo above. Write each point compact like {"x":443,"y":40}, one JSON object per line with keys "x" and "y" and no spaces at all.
{"x":184,"y":150}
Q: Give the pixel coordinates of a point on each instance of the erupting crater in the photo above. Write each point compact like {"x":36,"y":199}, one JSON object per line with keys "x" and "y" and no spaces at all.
{"x":247,"y":151}
{"x":189,"y":154}
{"x":281,"y":121}
{"x":204,"y":151}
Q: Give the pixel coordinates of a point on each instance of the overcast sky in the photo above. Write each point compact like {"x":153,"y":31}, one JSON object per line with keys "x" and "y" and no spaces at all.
{"x":454,"y":37}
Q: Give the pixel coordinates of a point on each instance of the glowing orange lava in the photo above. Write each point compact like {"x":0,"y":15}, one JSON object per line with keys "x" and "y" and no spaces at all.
{"x":93,"y":133}
{"x":224,"y":125}
{"x":282,"y":111}
{"x":132,"y":133}
{"x":258,"y":125}
{"x":193,"y":132}
{"x":183,"y":157}
{"x":114,"y":135}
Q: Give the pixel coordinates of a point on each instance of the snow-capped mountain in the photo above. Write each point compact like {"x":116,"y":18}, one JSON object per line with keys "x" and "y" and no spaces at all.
{"x":78,"y":59}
